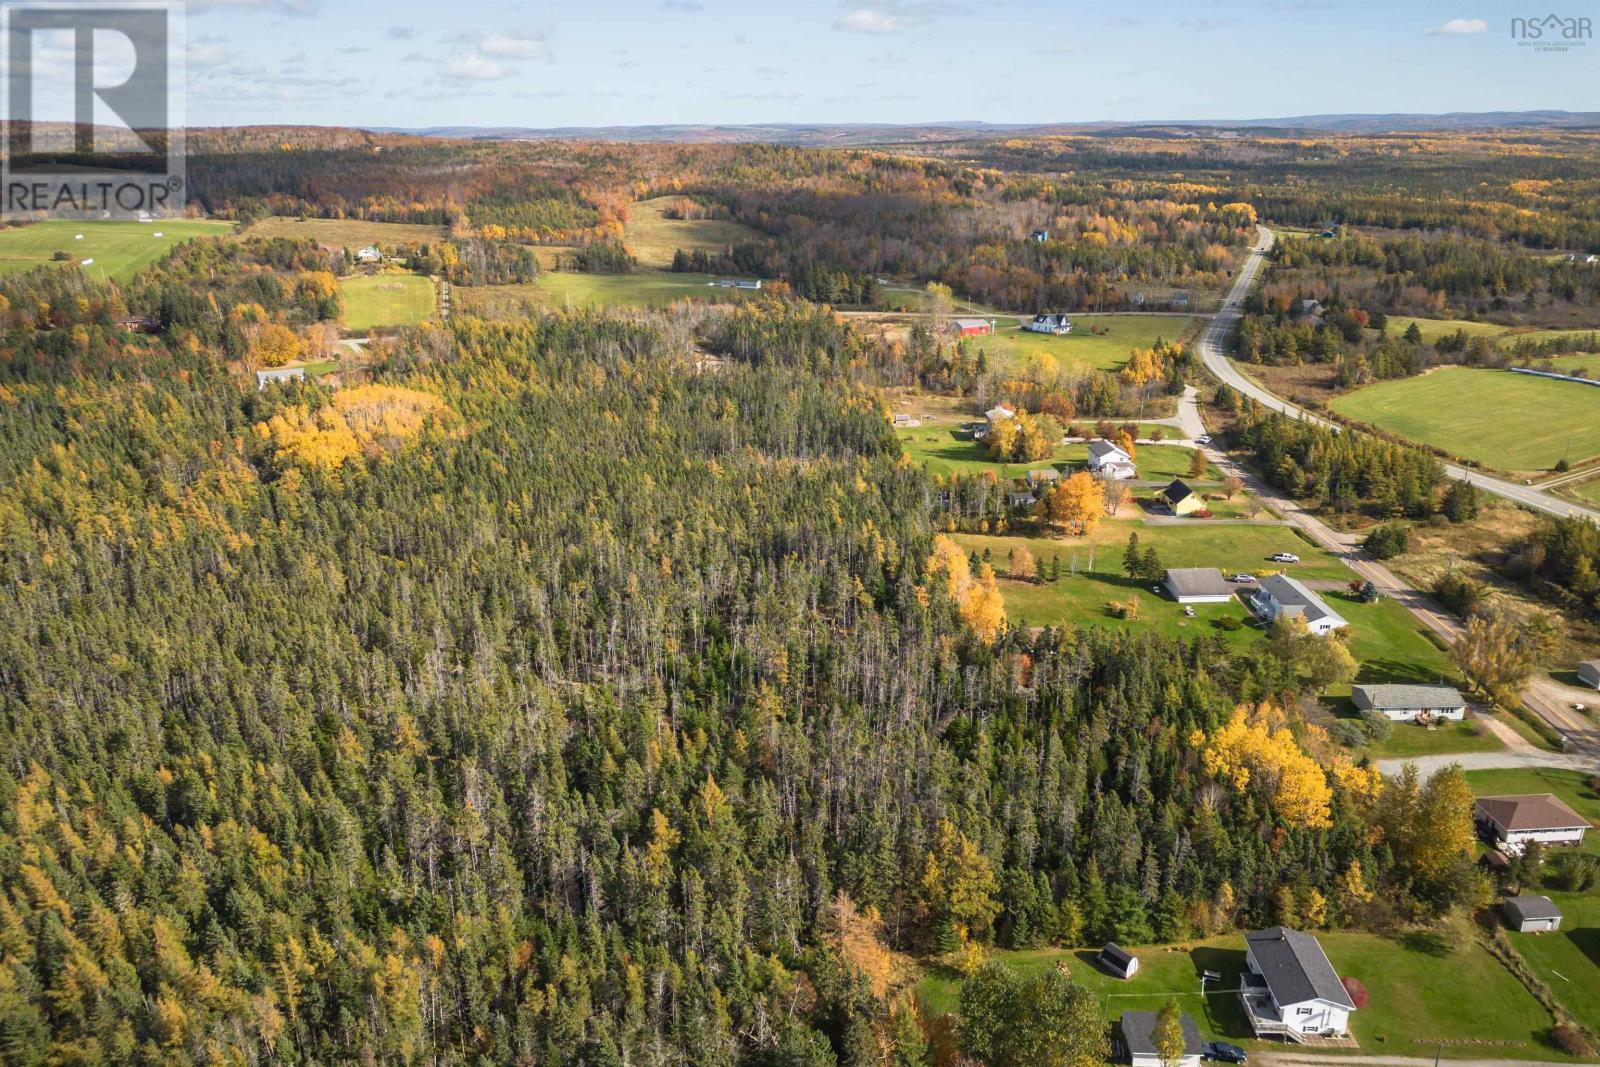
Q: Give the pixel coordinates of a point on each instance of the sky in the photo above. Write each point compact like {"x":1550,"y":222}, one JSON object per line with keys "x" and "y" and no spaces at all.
{"x":419,"y":63}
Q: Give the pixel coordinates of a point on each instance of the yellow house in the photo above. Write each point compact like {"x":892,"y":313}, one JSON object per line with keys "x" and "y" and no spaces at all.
{"x":1181,"y":499}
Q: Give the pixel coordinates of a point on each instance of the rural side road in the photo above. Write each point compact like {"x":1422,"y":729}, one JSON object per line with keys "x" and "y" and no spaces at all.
{"x":1213,"y":352}
{"x":1544,"y":697}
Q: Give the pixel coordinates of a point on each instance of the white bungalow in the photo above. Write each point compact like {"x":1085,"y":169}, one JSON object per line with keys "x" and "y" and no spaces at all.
{"x":1289,"y":989}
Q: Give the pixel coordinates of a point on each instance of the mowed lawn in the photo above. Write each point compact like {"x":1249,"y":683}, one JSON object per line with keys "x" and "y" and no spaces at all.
{"x":119,"y":250}
{"x":1502,"y":420}
{"x":1428,"y":993}
{"x":346,"y":233}
{"x":372,"y":300}
{"x":1082,"y":348}
{"x":945,"y":451}
{"x":654,"y":239}
{"x":1569,"y":959}
{"x":562,"y":289}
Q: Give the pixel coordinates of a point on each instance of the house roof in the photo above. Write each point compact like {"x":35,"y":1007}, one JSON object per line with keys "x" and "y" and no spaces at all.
{"x":1100,"y":448}
{"x":1052,"y":319}
{"x":1197,"y":581}
{"x":1531,"y":907}
{"x":1386,"y":697}
{"x":1139,"y":1033}
{"x":1295,"y":967}
{"x":1047,"y":474}
{"x":1115,"y":953}
{"x":970,"y":324}
{"x":1295,"y":599}
{"x":1177,"y":491}
{"x":999,"y":411}
{"x":1532,"y":811}
{"x":1592,"y":664}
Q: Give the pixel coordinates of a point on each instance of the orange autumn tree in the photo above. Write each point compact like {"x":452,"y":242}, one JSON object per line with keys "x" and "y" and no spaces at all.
{"x":1255,"y":752}
{"x":977,"y":597}
{"x":1073,"y":506}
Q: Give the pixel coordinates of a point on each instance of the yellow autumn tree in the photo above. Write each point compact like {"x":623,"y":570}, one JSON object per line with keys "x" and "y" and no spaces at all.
{"x":1254,"y":751}
{"x":1074,"y":505}
{"x":275,"y":345}
{"x":976,"y":597}
{"x":958,"y":883}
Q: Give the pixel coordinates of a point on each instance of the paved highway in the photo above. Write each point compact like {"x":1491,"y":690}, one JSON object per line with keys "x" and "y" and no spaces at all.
{"x":1547,"y":699}
{"x":1213,"y":352}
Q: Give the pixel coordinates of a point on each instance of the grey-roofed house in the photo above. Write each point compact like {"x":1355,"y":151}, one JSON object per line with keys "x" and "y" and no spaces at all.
{"x":1118,"y":960}
{"x":1289,"y":988}
{"x":1531,"y":914}
{"x":1407,"y":703}
{"x":1589,"y":673}
{"x":1136,"y":1040}
{"x":1198,"y":585}
{"x":278,"y":374}
{"x":1279,"y":594}
{"x":1511,"y":822}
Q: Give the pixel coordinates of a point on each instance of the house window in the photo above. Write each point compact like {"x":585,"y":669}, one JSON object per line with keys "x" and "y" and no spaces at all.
{"x":1303,"y":1011}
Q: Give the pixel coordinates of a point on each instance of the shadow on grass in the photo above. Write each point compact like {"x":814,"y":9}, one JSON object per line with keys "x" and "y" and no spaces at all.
{"x":1224,"y":1016}
{"x":1427,"y":943}
{"x":1587,"y":938}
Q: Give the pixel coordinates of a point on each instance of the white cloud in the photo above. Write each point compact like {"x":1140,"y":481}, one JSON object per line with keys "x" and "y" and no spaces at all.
{"x":892,"y":16}
{"x":473,"y":67}
{"x":207,"y":54}
{"x":870,"y":20}
{"x":508,"y":46}
{"x":1460,"y":26}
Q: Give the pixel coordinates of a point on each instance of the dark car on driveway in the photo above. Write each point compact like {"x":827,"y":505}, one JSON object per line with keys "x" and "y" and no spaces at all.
{"x":1223,"y":1052}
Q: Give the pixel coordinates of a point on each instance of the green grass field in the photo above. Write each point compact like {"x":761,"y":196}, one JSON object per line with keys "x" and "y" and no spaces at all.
{"x":119,"y":250}
{"x":1433,"y":329}
{"x":559,"y":289}
{"x":1505,"y":421}
{"x":372,"y":300}
{"x":1428,"y":993}
{"x":346,"y":233}
{"x":1082,"y":348}
{"x":943,"y":452}
{"x":1587,"y":492}
{"x":1569,"y":959}
{"x":654,"y":238}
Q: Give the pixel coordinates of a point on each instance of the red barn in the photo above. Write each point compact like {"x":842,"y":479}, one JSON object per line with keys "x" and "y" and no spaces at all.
{"x":971,"y":327}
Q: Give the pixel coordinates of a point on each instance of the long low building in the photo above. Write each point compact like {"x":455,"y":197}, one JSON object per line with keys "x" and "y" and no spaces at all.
{"x":1198,"y":585}
{"x":1280,"y":595}
{"x":1512,"y":822}
{"x":1407,"y":703}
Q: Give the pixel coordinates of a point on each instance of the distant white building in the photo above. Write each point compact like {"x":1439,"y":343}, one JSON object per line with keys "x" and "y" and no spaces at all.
{"x":1109,"y":461}
{"x":1531,"y":914}
{"x":740,"y":283}
{"x":1289,"y":988}
{"x":369,"y":254}
{"x":1279,"y":594}
{"x":1407,"y":703}
{"x":998,"y":413}
{"x":1051,"y":324}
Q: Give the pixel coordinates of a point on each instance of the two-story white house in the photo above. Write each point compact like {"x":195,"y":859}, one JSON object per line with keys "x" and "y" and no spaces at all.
{"x":1107,"y":460}
{"x":1289,"y":989}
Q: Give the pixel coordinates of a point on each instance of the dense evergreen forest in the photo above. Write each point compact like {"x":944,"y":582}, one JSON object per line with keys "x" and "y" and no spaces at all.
{"x":555,"y":697}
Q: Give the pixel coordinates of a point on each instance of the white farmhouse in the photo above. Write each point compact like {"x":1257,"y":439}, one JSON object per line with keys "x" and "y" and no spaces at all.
{"x":1106,"y":460}
{"x":1279,"y":594}
{"x":1056,"y":325}
{"x":1510,"y":822}
{"x":1290,"y":989}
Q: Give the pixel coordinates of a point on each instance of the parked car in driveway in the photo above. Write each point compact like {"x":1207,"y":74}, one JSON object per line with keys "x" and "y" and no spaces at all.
{"x":1223,"y":1052}
{"x":1285,"y":557}
{"x":1242,"y":578}
{"x":1203,"y":439}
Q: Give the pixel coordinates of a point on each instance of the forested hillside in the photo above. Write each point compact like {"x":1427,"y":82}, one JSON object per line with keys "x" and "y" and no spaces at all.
{"x":554,"y":697}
